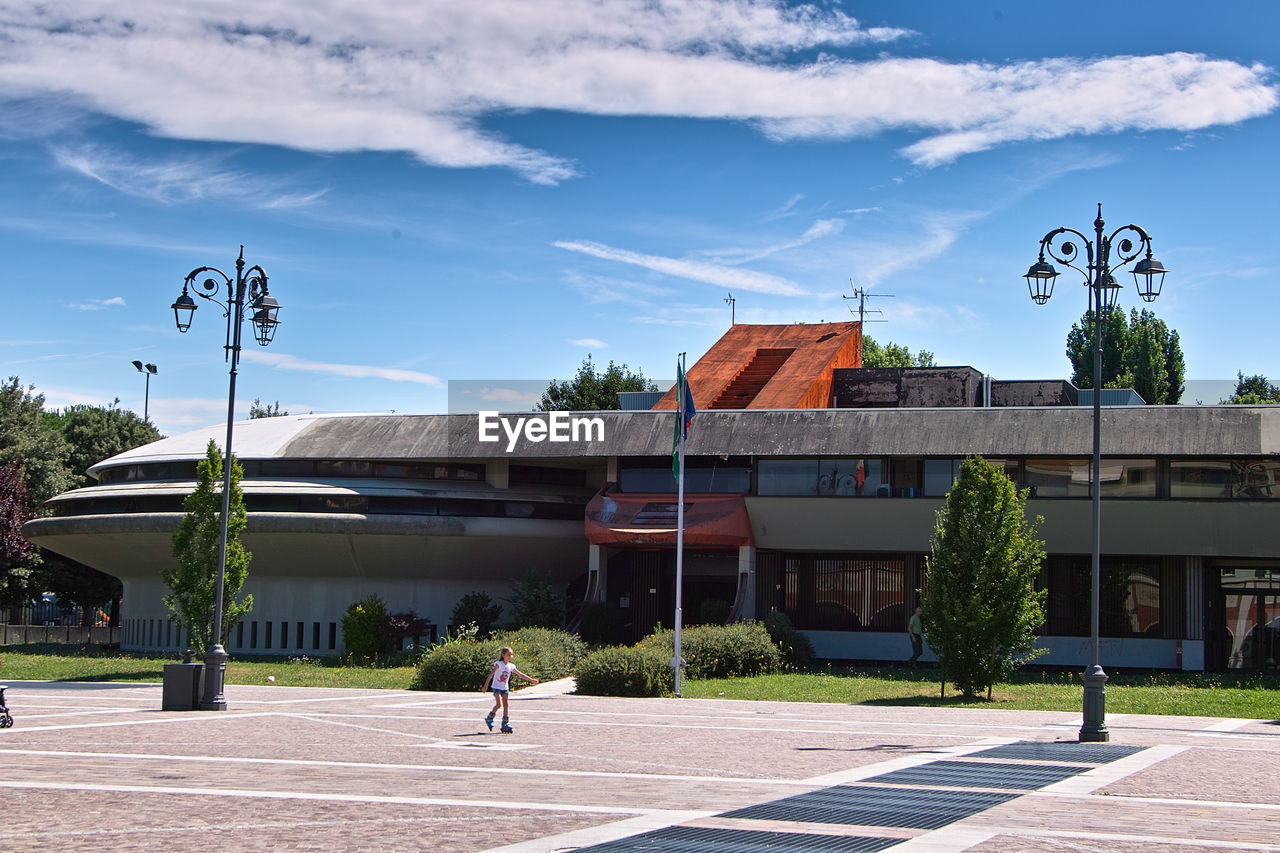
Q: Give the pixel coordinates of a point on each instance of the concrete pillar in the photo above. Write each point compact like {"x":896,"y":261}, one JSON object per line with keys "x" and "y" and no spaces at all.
{"x":745,"y":605}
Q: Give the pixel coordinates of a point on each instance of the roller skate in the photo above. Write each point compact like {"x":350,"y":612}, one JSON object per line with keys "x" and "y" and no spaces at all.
{"x":488,"y":720}
{"x":506,"y":727}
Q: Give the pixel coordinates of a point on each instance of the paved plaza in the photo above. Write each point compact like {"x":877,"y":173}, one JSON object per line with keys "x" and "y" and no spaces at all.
{"x":100,"y":766}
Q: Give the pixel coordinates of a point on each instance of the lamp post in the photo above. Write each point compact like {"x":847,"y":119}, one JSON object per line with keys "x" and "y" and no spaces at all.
{"x":147,"y":370}
{"x":1148,"y":276}
{"x":251,"y":285}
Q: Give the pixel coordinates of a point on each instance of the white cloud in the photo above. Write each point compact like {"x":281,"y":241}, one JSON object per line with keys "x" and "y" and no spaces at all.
{"x":788,"y":207}
{"x":422,"y":77}
{"x":510,"y":395}
{"x":280,"y":361}
{"x":98,"y":304}
{"x":821,"y":228}
{"x":589,"y":343}
{"x":180,"y":180}
{"x":693,"y":270}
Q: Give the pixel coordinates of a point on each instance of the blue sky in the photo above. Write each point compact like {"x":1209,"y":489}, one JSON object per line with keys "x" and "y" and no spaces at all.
{"x":489,"y":192}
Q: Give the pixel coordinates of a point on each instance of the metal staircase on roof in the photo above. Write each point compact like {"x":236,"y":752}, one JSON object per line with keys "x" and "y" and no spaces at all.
{"x":750,"y":381}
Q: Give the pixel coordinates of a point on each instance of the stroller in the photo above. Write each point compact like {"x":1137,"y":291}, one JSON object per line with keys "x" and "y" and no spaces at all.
{"x":6,"y":719}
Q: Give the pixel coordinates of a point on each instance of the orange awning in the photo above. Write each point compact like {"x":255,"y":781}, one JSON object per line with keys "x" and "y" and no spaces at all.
{"x":709,"y":520}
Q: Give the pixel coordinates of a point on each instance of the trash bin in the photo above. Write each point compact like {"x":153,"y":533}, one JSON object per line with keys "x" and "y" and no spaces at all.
{"x":183,"y":684}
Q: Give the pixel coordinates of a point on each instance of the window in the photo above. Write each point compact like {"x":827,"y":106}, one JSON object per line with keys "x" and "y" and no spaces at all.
{"x":828,"y":477}
{"x":839,"y":593}
{"x":1058,"y":478}
{"x":703,"y":475}
{"x":1224,"y":478}
{"x":1128,"y":597}
{"x":1128,"y":478}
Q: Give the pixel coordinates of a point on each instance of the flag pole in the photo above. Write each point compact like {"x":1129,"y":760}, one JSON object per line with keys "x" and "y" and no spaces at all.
{"x":677,"y":662}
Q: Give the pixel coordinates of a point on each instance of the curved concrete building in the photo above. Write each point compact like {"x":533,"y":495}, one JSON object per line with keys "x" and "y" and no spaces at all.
{"x":823,"y":513}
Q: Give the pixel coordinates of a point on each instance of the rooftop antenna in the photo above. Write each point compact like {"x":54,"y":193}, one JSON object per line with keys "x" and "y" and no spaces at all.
{"x":861,"y":294}
{"x":732,"y":316}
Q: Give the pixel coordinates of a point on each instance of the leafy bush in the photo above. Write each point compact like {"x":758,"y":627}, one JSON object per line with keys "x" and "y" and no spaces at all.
{"x":543,"y":653}
{"x":721,"y":651}
{"x":463,"y":664}
{"x":797,"y":651}
{"x":457,"y":666}
{"x":535,"y":603}
{"x":476,"y":607}
{"x":625,"y":671}
{"x":367,"y":632}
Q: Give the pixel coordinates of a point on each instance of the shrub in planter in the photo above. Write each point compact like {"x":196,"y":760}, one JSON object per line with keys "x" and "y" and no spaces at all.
{"x":625,"y":671}
{"x":721,"y":651}
{"x":796,"y":649}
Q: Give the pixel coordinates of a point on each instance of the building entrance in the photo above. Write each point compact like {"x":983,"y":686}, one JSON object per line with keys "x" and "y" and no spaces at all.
{"x":1249,"y":601}
{"x":641,"y":589}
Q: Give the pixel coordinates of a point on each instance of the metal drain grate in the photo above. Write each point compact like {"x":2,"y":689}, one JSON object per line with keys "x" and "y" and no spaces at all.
{"x":690,"y":839}
{"x":972,"y":774}
{"x":898,"y":807}
{"x":1085,"y":753}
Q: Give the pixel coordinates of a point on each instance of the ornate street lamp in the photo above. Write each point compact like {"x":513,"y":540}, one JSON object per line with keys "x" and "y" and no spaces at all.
{"x":147,"y":370}
{"x":1148,"y":276}
{"x":263,"y":308}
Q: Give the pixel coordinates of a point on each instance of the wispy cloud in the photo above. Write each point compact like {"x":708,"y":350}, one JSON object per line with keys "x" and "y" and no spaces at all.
{"x":518,"y":396}
{"x":821,"y":228}
{"x":589,"y":343}
{"x":854,"y":211}
{"x":180,"y":180}
{"x":931,"y":233}
{"x":280,"y":361}
{"x":604,"y":289}
{"x":787,"y":209}
{"x":423,"y":77}
{"x":98,"y":304}
{"x":702,"y":271}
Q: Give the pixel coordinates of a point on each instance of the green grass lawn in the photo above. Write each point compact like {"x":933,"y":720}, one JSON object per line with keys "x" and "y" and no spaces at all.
{"x":1177,"y":693}
{"x":1180,"y":693}
{"x":51,"y":662}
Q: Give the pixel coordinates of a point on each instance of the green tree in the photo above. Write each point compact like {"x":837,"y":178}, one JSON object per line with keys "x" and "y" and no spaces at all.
{"x":1080,"y":349}
{"x":981,"y":610}
{"x":892,"y":355}
{"x":95,"y":433}
{"x":535,"y":603}
{"x":1143,"y":354}
{"x":30,"y":441}
{"x":592,"y":391}
{"x":1253,"y":390}
{"x":476,"y":608}
{"x":265,"y":410}
{"x":192,"y":578}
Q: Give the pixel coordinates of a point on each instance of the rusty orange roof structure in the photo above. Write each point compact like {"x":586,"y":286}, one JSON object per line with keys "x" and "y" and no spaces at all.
{"x":772,"y":367}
